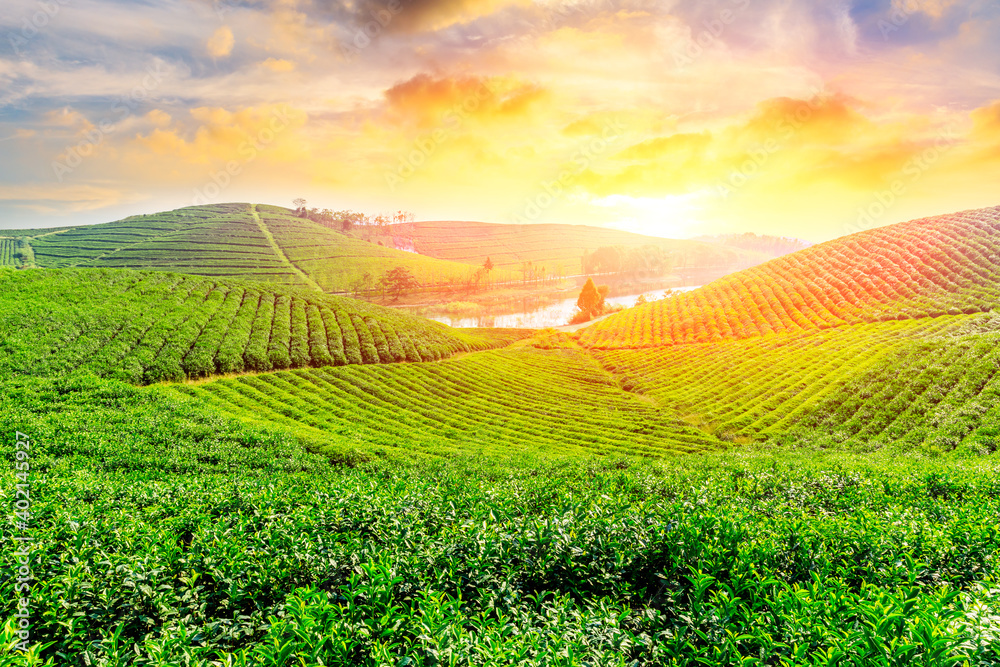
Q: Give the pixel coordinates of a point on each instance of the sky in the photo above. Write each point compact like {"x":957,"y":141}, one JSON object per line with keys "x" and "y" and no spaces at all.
{"x":804,"y":119}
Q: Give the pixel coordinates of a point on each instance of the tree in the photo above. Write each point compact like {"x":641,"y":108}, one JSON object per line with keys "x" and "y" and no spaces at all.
{"x":363,"y":284}
{"x":475,"y":278}
{"x":400,"y":217}
{"x":487,"y":267}
{"x":641,"y":300}
{"x":591,"y":299}
{"x":300,"y":207}
{"x":398,"y":280}
{"x":348,"y":220}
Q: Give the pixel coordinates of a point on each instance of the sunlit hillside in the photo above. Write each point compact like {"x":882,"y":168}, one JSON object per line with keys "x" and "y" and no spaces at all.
{"x":924,"y":268}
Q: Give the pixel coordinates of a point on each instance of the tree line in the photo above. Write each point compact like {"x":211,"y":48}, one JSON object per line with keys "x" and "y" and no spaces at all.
{"x":347,"y":220}
{"x":647,"y":261}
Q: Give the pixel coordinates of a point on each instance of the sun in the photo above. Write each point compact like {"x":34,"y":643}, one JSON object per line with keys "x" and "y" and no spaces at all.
{"x":670,"y":216}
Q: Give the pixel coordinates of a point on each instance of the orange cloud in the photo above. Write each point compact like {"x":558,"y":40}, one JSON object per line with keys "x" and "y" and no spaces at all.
{"x":221,"y":43}
{"x":986,"y":122}
{"x":222,"y":135}
{"x":426,"y":101}
{"x":278,"y":65}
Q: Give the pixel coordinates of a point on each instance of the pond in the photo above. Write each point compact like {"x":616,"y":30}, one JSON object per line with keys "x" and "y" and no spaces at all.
{"x":554,"y":314}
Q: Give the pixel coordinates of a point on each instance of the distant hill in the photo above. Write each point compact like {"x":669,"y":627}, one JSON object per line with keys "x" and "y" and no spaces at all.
{"x":248,"y":241}
{"x":771,"y":246}
{"x":923,"y":268}
{"x":145,"y":327}
{"x":560,"y":248}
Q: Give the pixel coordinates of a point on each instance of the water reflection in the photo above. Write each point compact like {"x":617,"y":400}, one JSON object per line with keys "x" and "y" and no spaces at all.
{"x":555,"y":314}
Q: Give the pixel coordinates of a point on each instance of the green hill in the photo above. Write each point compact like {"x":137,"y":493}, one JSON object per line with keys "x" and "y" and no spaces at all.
{"x":560,"y":248}
{"x":503,"y":404}
{"x":145,"y":327}
{"x":265,"y":243}
{"x":923,"y":268}
{"x":929,"y":384}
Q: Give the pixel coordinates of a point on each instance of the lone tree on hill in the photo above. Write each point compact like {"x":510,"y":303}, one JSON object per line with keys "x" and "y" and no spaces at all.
{"x":591,"y":298}
{"x":591,"y":302}
{"x":398,"y":280}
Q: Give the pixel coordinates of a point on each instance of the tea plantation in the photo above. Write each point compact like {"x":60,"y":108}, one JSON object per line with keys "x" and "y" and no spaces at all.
{"x":925,"y":268}
{"x":223,"y":473}
{"x":145,"y":327}
{"x":247,"y":241}
{"x":168,"y":535}
{"x":507,"y":403}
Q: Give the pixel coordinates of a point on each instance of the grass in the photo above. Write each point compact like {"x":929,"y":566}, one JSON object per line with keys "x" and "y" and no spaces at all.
{"x":912,"y":270}
{"x":145,"y":327}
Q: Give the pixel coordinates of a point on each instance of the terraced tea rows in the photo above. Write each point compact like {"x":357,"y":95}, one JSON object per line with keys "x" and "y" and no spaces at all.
{"x":219,"y":240}
{"x":825,"y":380}
{"x":166,"y":534}
{"x":495,"y":403}
{"x":336,"y":261}
{"x":7,"y":249}
{"x":151,"y":327}
{"x":924,"y":268}
{"x":936,"y":395}
{"x":226,"y":240}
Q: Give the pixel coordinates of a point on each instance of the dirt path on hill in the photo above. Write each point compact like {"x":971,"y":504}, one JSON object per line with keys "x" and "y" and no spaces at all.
{"x":281,"y":253}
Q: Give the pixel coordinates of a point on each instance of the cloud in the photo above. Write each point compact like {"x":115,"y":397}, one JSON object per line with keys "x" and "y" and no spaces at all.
{"x":69,"y":118}
{"x":220,"y":44}
{"x":986,"y":130}
{"x":426,"y":101}
{"x":159,"y":118}
{"x":932,"y":8}
{"x":20,"y":133}
{"x":216,"y":135}
{"x":278,"y":65}
{"x":432,"y":15}
{"x":60,"y":198}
